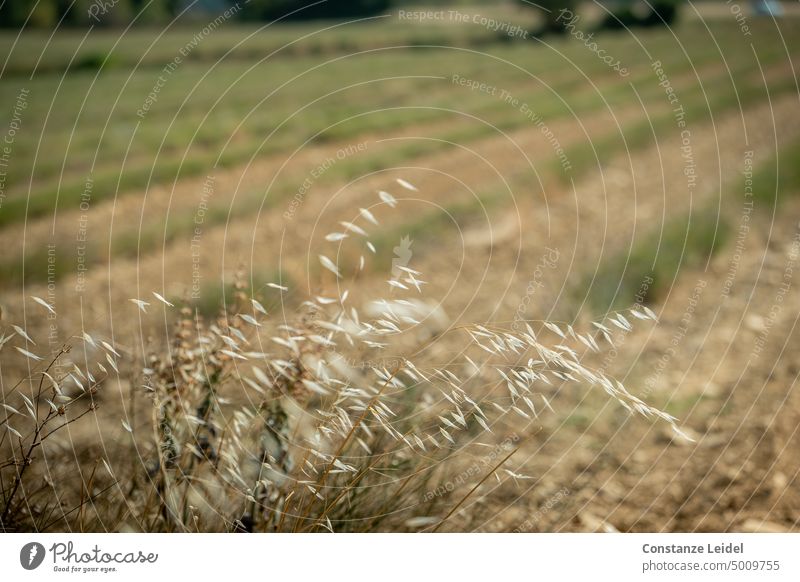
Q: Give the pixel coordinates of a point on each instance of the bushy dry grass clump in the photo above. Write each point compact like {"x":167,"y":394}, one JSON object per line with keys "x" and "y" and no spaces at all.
{"x":319,"y":422}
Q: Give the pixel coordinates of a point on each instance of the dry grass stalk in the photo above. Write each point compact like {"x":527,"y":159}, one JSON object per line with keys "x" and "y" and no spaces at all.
{"x":262,"y":426}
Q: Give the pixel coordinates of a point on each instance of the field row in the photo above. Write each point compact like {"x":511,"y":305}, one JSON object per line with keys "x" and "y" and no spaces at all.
{"x":222,"y":116}
{"x":169,"y":219}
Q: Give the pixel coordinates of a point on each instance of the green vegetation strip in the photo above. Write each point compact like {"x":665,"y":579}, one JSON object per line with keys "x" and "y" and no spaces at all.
{"x":689,"y":241}
{"x":130,"y":243}
{"x":51,"y":177}
{"x":85,"y":149}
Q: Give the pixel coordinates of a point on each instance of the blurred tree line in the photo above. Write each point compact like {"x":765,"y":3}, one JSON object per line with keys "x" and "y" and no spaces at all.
{"x":81,"y":13}
{"x":557,"y":14}
{"x":272,"y":9}
{"x":51,"y":13}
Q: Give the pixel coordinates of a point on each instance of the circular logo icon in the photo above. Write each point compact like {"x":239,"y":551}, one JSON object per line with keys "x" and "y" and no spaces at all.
{"x":31,"y":555}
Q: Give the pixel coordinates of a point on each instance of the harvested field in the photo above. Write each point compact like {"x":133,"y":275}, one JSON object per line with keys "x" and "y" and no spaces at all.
{"x":464,"y":190}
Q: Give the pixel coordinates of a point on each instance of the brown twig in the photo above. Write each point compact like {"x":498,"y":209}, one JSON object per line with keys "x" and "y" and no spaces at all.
{"x":471,"y":491}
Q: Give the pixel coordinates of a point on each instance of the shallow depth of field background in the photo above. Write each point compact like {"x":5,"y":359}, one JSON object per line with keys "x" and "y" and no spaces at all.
{"x":168,"y":156}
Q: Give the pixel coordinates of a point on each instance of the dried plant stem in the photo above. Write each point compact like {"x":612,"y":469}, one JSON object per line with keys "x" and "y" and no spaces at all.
{"x":471,"y":491}
{"x":321,"y":480}
{"x":26,"y":461}
{"x":85,"y":490}
{"x":94,"y":497}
